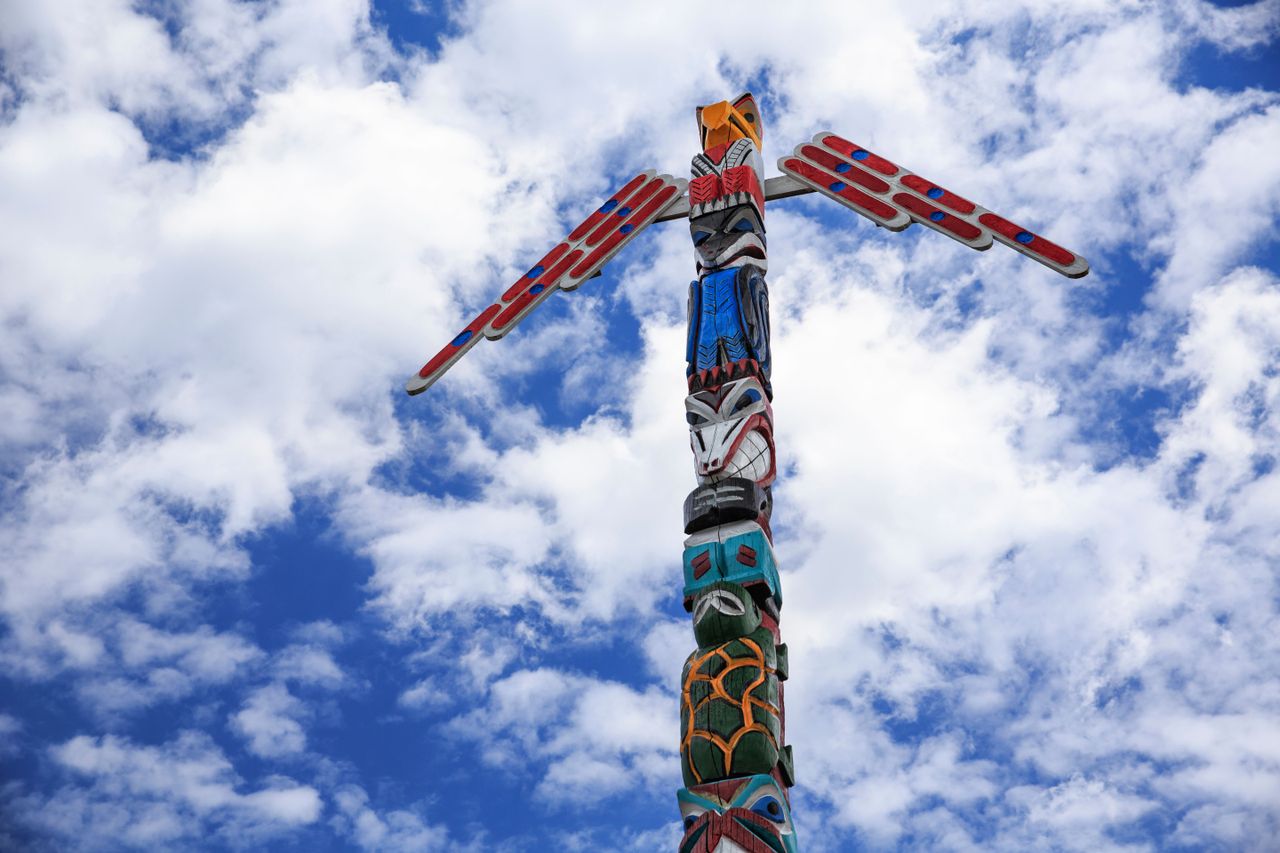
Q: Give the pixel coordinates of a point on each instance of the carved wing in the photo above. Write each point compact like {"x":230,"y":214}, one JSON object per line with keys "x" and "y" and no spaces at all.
{"x":891,"y":196}
{"x":579,"y":257}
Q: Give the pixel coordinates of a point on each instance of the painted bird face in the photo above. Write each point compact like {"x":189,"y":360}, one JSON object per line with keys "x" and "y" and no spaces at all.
{"x":736,"y":816}
{"x":724,"y":122}
{"x":731,"y":432}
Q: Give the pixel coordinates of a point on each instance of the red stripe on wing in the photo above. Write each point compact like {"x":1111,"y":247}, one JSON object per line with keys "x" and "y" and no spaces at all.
{"x":848,"y":149}
{"x":460,"y":340}
{"x":525,"y":280}
{"x":851,"y":173}
{"x":1036,"y":243}
{"x":854,"y":196}
{"x":647,"y":210}
{"x":543,"y":284}
{"x":591,"y":221}
{"x":947,"y":198}
{"x":630,"y":204}
{"x":949,"y":222}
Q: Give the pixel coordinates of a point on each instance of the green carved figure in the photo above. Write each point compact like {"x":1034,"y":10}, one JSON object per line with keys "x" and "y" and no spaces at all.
{"x":730,"y":700}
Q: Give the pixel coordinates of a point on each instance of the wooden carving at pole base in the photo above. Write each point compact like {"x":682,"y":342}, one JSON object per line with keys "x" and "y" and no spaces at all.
{"x":752,"y":814}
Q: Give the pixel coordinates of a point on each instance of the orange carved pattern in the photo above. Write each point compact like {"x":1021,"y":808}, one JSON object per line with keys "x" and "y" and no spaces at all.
{"x":718,"y":692}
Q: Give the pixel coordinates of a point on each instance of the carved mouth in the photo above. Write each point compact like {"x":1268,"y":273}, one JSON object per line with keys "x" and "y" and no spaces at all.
{"x":751,"y":460}
{"x":725,"y":254}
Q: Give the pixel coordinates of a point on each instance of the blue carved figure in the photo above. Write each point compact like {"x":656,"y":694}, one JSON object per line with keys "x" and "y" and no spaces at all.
{"x":728,"y":320}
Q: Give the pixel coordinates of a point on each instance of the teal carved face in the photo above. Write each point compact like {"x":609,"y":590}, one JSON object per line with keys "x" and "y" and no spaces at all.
{"x":751,"y":812}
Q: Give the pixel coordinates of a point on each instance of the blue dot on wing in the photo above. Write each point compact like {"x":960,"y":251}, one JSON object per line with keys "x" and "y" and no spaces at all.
{"x":934,"y":193}
{"x":843,"y":167}
{"x":535,"y":272}
{"x":837,"y":186}
{"x":1024,"y":237}
{"x":937,"y":216}
{"x":627,"y":229}
{"x":623,"y":211}
{"x":537,"y":288}
{"x":860,"y":155}
{"x":608,"y":205}
{"x":462,"y":338}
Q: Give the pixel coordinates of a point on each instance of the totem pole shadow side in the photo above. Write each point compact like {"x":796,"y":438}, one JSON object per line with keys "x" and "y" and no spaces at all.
{"x":736,"y":765}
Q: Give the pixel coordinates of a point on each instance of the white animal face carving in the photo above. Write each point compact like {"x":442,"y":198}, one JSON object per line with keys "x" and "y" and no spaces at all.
{"x":731,"y":432}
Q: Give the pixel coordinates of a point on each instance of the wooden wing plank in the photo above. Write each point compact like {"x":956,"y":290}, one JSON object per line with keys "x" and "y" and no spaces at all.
{"x":836,"y":187}
{"x":893,"y":197}
{"x":589,"y":246}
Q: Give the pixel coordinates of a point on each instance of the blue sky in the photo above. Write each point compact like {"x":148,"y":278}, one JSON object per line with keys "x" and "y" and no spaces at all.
{"x":252,"y":596}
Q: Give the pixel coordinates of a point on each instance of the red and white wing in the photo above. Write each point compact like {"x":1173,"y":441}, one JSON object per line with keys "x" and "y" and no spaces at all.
{"x":891,"y":196}
{"x":580,"y":256}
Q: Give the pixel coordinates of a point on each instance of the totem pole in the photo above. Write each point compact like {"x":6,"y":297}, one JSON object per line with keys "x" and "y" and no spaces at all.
{"x":736,"y":765}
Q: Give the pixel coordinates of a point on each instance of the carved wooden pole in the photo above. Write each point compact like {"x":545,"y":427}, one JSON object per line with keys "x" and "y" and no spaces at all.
{"x":737,"y":769}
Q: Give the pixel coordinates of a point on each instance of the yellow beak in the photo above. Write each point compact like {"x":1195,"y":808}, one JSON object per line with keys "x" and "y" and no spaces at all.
{"x":721,"y":124}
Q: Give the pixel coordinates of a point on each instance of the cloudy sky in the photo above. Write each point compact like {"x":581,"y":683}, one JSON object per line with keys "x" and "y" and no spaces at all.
{"x":252,"y":596}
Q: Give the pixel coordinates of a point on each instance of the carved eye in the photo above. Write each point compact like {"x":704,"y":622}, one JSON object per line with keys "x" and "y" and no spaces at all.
{"x":751,"y":117}
{"x":748,"y":397}
{"x":694,"y":419}
{"x":701,"y":237}
{"x":770,"y":807}
{"x":744,"y":225}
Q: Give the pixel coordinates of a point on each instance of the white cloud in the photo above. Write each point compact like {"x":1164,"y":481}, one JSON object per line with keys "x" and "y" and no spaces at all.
{"x":120,"y":793}
{"x":309,"y":665}
{"x":148,"y":665}
{"x":269,"y":722}
{"x":396,"y":829}
{"x":597,"y":738}
{"x":10,"y":733}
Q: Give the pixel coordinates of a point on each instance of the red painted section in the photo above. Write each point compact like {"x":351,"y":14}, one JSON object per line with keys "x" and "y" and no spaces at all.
{"x":613,"y":221}
{"x":590,"y":222}
{"x":871,"y":161}
{"x":854,"y":174}
{"x":722,"y":791}
{"x":524,"y":281}
{"x":513,"y":310}
{"x":437,"y":361}
{"x":701,"y":564}
{"x":747,"y":555}
{"x":772,"y":624}
{"x":855,"y":196}
{"x":716,"y":152}
{"x":961,"y":228}
{"x":741,"y":179}
{"x":947,"y":199}
{"x":648,"y":210}
{"x":548,"y":281}
{"x":704,"y":189}
{"x":730,"y":826}
{"x":1038,"y":244}
{"x":713,"y":377}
